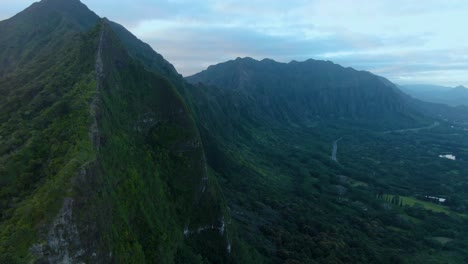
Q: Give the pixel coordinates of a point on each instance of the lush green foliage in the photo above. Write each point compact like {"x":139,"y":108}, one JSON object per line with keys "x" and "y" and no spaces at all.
{"x":296,"y":205}
{"x":155,"y":193}
{"x":45,"y":141}
{"x":121,"y":145}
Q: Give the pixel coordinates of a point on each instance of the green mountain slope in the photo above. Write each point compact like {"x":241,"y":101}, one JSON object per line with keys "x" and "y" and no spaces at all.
{"x":45,"y":127}
{"x":168,"y":180}
{"x":101,"y":161}
{"x":31,"y":36}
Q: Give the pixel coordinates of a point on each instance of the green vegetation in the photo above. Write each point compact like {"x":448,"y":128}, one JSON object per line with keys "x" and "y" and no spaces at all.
{"x":45,"y":142}
{"x":108,"y":156}
{"x":443,"y":240}
{"x":285,"y":189}
{"x":101,"y":167}
{"x":156,"y":192}
{"x":355,"y":183}
{"x":410,"y":201}
{"x":296,"y":205}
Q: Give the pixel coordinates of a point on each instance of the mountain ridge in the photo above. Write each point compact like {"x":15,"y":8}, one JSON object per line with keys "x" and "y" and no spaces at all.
{"x":97,"y":210}
{"x":309,"y":89}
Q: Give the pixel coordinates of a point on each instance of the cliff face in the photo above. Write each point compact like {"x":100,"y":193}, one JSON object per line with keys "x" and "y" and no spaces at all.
{"x":300,"y":92}
{"x":162,"y":197}
{"x":101,"y":160}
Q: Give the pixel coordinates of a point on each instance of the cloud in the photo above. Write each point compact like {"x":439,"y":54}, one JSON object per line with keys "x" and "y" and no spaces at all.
{"x":404,"y":40}
{"x":398,"y":39}
{"x":448,"y":67}
{"x":187,"y":43}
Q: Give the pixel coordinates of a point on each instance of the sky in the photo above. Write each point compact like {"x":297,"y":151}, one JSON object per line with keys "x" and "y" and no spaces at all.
{"x":406,"y":41}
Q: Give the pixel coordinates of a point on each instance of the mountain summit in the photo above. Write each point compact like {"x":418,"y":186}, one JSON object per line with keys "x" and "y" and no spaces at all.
{"x":40,"y":30}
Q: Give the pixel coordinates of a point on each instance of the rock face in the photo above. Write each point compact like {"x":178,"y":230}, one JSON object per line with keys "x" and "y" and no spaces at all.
{"x":63,"y":244}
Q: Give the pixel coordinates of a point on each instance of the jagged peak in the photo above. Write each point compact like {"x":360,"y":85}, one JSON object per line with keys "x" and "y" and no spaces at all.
{"x":245,"y":59}
{"x":246,"y":63}
{"x":105,"y":20}
{"x":252,"y":60}
{"x":60,"y":1}
{"x":269,"y":60}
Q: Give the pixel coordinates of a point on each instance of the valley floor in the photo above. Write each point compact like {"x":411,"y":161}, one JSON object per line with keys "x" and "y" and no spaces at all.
{"x":296,"y":203}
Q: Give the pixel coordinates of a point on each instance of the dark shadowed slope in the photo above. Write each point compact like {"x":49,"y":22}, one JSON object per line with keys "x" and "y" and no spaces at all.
{"x":303,"y":91}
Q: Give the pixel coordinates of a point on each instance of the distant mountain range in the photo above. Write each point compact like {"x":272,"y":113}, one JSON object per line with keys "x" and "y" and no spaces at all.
{"x":300,"y":92}
{"x":303,"y":91}
{"x":438,"y":94}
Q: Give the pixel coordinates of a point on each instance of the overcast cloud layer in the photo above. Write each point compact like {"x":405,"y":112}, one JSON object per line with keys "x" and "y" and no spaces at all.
{"x":407,"y":41}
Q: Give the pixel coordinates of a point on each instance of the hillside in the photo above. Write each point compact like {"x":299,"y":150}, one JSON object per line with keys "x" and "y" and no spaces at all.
{"x":101,"y":161}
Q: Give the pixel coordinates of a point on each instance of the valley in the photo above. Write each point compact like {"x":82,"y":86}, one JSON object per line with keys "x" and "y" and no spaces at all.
{"x":307,"y":196}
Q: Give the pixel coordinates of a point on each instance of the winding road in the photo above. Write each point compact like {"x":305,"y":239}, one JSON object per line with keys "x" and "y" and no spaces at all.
{"x":335,"y":149}
{"x":413,"y":129}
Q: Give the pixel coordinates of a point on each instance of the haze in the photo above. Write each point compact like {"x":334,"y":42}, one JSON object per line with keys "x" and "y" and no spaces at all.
{"x":405,"y":41}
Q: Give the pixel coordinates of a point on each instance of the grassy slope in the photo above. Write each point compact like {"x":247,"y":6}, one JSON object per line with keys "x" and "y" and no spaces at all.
{"x":411,"y":201}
